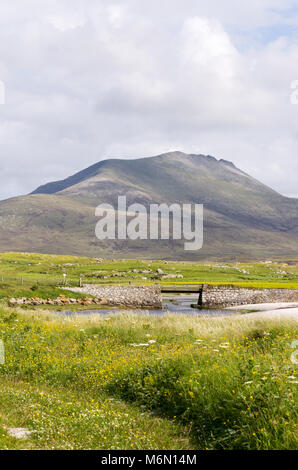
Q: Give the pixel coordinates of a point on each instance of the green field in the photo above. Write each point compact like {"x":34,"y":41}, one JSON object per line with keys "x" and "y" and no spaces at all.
{"x":28,"y":275}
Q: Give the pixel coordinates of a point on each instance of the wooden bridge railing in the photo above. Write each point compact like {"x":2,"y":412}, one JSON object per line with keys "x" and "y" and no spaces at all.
{"x":188,"y":289}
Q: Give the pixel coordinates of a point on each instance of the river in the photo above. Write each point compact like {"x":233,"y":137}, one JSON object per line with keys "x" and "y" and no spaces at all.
{"x":171,"y":304}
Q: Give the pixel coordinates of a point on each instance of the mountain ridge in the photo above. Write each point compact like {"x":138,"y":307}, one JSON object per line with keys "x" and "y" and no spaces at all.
{"x":56,"y":186}
{"x":243,"y":217}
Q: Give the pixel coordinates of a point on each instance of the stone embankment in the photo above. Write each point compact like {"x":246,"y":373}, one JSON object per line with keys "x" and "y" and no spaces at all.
{"x":226,"y":296}
{"x":126,"y":296}
{"x":150,"y":296}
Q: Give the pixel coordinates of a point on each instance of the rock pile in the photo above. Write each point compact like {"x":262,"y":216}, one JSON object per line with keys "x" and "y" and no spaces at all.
{"x":172,"y":276}
{"x":126,"y":296}
{"x":61,"y":300}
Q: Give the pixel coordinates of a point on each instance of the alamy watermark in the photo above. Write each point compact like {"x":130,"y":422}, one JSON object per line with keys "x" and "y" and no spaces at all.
{"x":159,"y":222}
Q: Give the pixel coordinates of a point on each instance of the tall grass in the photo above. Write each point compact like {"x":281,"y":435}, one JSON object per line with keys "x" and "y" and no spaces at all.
{"x":229,"y":380}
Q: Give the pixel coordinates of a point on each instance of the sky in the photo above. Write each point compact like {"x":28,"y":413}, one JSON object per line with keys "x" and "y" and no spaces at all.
{"x":87,"y":80}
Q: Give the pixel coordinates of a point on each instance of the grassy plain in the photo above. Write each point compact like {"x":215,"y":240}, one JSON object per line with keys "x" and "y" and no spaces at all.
{"x":144,"y":382}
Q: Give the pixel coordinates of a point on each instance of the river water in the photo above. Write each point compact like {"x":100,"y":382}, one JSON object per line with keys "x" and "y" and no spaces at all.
{"x":171,"y":304}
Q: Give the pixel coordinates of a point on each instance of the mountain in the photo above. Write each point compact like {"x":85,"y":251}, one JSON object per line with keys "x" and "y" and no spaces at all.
{"x":243,"y":218}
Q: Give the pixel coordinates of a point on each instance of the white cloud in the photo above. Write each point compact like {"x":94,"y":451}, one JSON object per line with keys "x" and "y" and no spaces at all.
{"x":207,"y":45}
{"x":65,"y":23}
{"x":88,"y":79}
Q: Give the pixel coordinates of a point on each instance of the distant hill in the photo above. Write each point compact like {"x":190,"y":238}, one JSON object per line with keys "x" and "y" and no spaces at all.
{"x":243,"y":217}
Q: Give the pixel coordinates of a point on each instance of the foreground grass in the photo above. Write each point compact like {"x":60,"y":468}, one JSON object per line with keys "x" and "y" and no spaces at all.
{"x":62,"y":419}
{"x":94,"y":382}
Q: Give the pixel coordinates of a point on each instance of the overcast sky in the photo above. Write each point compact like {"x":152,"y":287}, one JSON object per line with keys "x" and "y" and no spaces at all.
{"x":90,"y":79}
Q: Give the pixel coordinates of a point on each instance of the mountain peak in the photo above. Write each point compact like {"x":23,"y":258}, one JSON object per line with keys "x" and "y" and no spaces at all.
{"x":227,"y":162}
{"x":173,"y":165}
